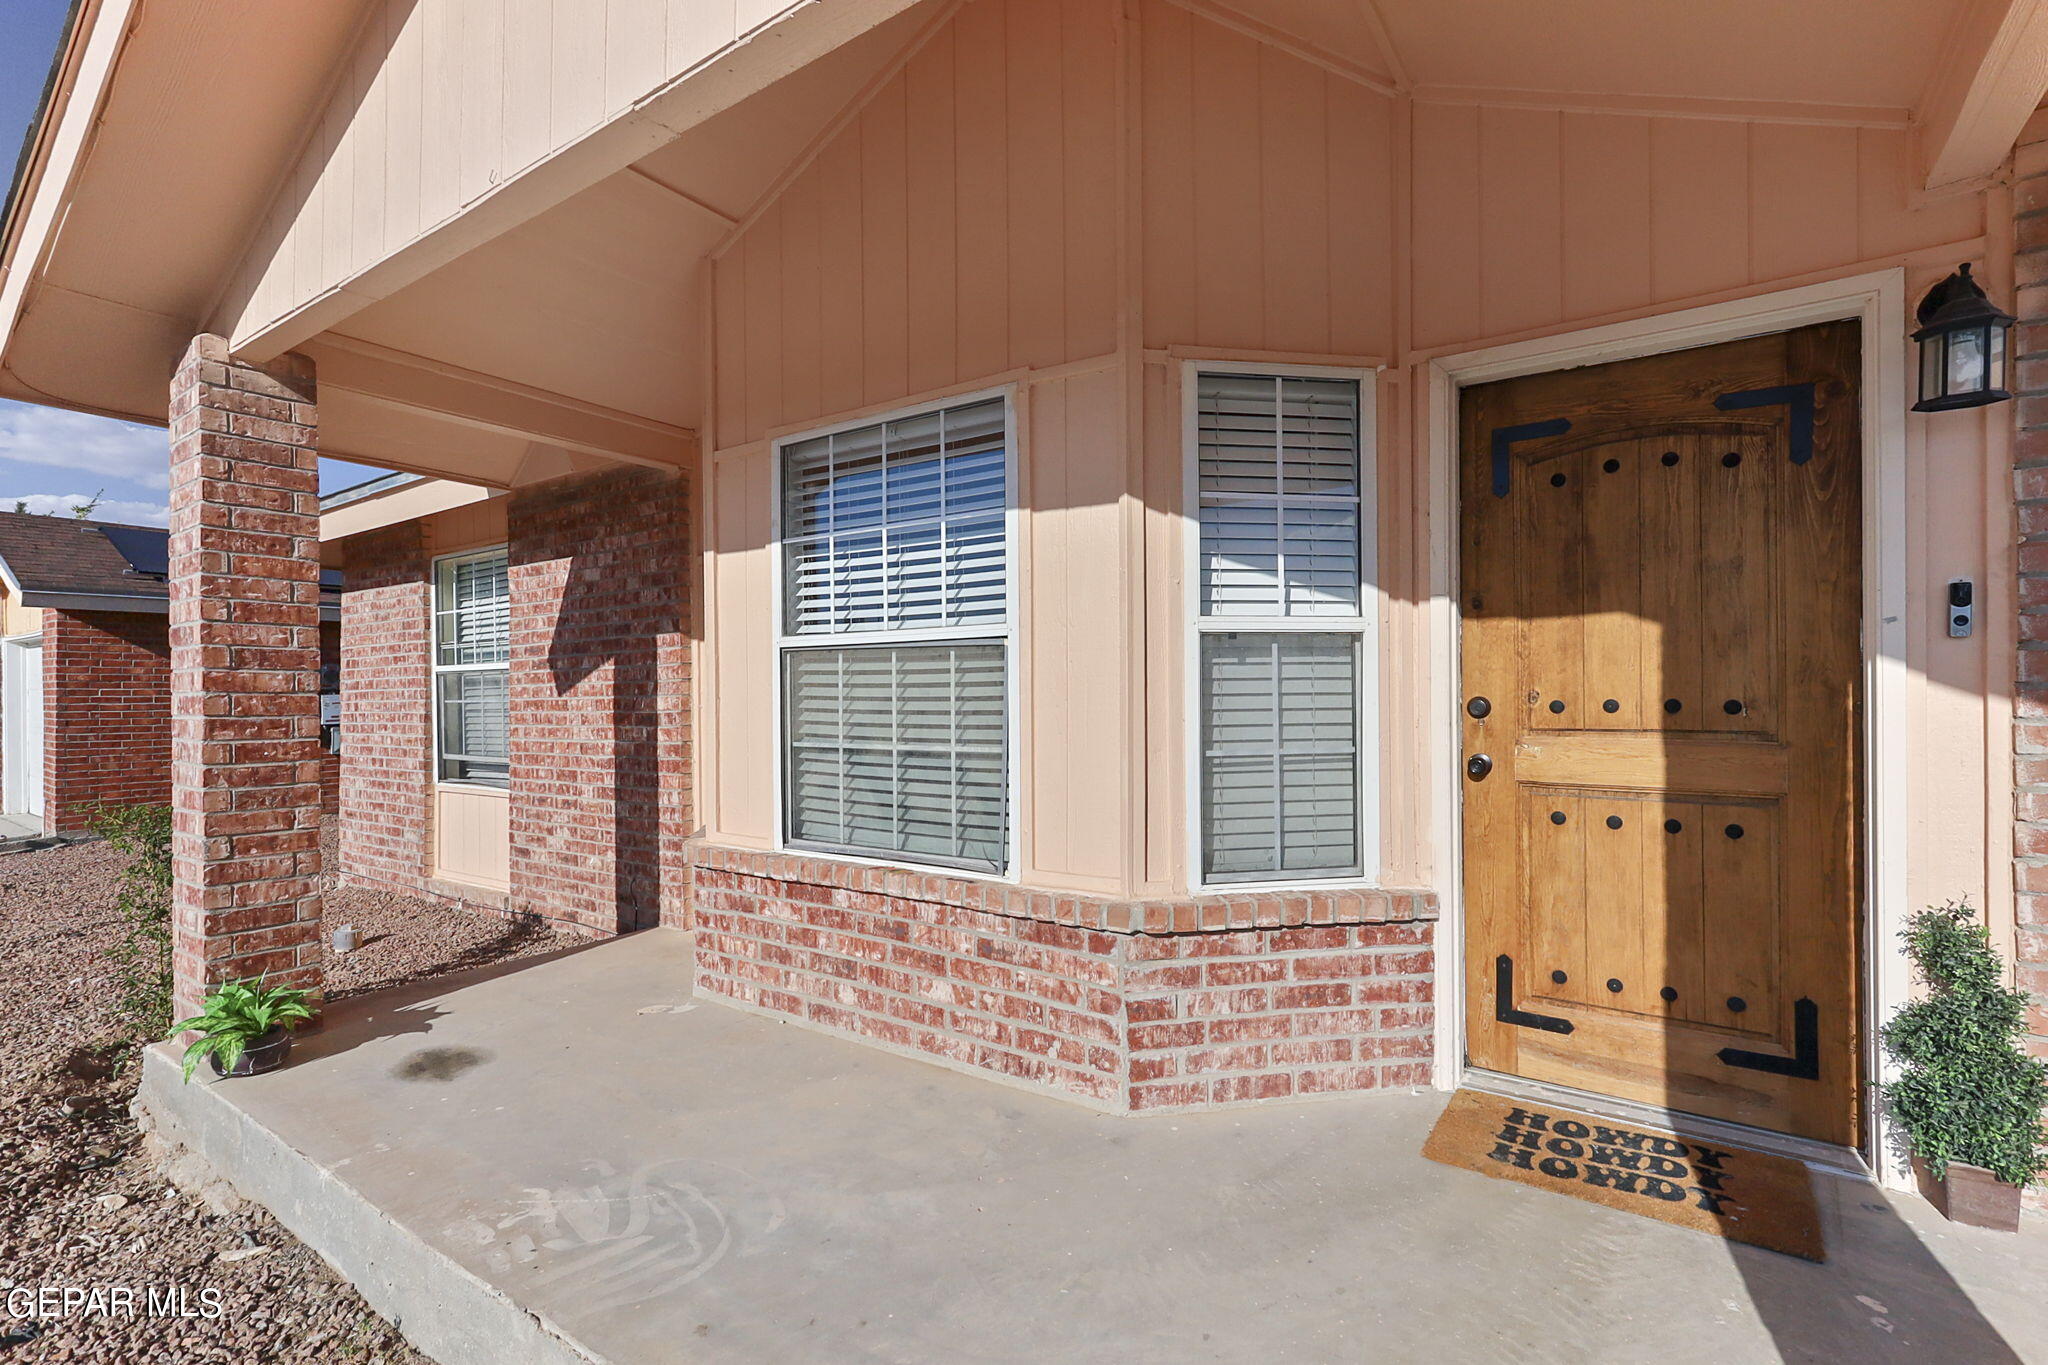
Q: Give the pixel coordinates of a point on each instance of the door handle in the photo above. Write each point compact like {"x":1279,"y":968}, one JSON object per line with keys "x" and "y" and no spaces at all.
{"x":1478,"y":766}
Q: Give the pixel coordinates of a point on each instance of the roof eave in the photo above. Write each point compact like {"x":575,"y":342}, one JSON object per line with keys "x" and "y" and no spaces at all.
{"x":35,"y":143}
{"x":95,"y":601}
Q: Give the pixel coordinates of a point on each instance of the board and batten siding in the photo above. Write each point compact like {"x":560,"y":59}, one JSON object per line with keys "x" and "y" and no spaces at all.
{"x":1073,"y":743}
{"x":960,"y":226}
{"x":942,"y":240}
{"x":1268,"y":218}
{"x":441,"y":103}
{"x":1525,"y":219}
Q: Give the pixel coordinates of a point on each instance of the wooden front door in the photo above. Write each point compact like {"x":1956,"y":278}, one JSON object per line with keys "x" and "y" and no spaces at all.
{"x":1662,"y":691}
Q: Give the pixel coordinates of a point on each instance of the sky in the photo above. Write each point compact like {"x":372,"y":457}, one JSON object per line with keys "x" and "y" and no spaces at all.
{"x":52,"y":460}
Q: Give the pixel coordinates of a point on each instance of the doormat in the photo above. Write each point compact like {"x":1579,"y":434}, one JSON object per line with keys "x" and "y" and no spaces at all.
{"x":1745,"y":1196}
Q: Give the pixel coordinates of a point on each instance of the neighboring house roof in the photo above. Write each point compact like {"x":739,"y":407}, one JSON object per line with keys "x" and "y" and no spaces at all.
{"x":77,"y":565}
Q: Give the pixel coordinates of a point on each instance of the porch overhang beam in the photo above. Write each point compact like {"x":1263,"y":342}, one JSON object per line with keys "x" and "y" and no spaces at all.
{"x":427,"y":388}
{"x":1983,"y":93}
{"x":390,"y":500}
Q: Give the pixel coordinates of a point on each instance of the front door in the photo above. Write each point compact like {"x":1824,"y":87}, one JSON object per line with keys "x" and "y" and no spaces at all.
{"x":1661,"y":584}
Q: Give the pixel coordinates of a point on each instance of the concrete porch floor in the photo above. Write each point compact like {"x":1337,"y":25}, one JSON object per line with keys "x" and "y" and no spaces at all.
{"x":19,"y":832}
{"x":568,"y":1159}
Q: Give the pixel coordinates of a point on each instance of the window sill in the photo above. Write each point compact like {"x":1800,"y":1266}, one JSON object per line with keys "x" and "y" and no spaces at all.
{"x":469,"y":893}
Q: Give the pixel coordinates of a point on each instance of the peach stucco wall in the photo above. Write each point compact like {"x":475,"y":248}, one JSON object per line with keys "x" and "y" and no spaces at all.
{"x":1074,"y":198}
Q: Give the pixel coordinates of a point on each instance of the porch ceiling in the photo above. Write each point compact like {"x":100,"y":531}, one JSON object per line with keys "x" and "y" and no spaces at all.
{"x":588,"y":316}
{"x":1839,"y":55}
{"x":142,"y":189}
{"x":597,"y":304}
{"x":579,"y":329}
{"x":601,"y":299}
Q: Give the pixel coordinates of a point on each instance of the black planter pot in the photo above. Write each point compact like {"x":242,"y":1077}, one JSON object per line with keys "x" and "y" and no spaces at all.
{"x":262,"y":1054}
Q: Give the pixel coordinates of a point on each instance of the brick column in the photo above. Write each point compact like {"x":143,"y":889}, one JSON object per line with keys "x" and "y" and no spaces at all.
{"x":245,"y":659}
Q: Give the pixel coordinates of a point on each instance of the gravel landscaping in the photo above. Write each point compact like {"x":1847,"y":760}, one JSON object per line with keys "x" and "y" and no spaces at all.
{"x":82,"y":1207}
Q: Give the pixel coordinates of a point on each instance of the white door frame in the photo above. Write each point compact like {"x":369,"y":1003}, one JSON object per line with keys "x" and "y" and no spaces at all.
{"x":14,"y":649}
{"x":1878,"y":301}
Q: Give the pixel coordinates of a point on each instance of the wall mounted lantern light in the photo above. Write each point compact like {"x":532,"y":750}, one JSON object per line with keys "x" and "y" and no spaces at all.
{"x":1962,"y":346}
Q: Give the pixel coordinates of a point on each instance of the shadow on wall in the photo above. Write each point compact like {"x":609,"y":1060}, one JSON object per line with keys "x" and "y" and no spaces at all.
{"x":604,"y":562}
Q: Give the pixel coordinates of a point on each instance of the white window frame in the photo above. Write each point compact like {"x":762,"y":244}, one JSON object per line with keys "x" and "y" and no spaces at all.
{"x":1365,"y":626}
{"x":435,"y":668}
{"x":1006,"y":633}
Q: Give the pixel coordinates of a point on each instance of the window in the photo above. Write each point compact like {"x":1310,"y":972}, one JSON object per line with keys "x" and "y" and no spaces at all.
{"x":894,"y":647}
{"x":1282,"y":659}
{"x":472,"y":644}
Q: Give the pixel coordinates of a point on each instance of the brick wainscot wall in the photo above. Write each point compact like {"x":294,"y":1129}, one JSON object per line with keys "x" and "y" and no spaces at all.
{"x":1132,"y":1005}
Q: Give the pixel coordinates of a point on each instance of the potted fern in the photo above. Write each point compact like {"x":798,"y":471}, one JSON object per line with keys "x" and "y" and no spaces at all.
{"x":1968,"y":1097}
{"x":244,"y":1027}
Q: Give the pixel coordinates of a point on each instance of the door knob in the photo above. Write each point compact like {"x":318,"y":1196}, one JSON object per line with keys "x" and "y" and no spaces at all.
{"x":1478,"y":766}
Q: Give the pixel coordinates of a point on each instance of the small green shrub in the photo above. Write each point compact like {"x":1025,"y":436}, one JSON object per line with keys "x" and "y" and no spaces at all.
{"x":1968,"y":1092}
{"x":143,"y":953}
{"x":237,"y":1013}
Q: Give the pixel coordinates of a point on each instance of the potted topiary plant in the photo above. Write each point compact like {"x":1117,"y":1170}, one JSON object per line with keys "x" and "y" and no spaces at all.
{"x":244,"y":1028}
{"x":1968,"y":1097}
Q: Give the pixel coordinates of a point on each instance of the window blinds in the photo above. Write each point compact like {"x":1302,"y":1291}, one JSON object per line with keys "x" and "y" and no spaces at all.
{"x":473,"y":617}
{"x":1278,"y":473}
{"x":472,"y":649}
{"x":474,"y":725}
{"x":1279,"y":486}
{"x":1280,"y":755}
{"x":897,"y":525}
{"x":899,"y":749}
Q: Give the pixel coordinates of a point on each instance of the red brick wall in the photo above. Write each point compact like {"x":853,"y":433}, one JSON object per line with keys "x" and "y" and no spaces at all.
{"x":960,"y":972}
{"x":600,"y":797}
{"x":106,"y":713}
{"x":1268,"y":1013}
{"x":386,"y":724}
